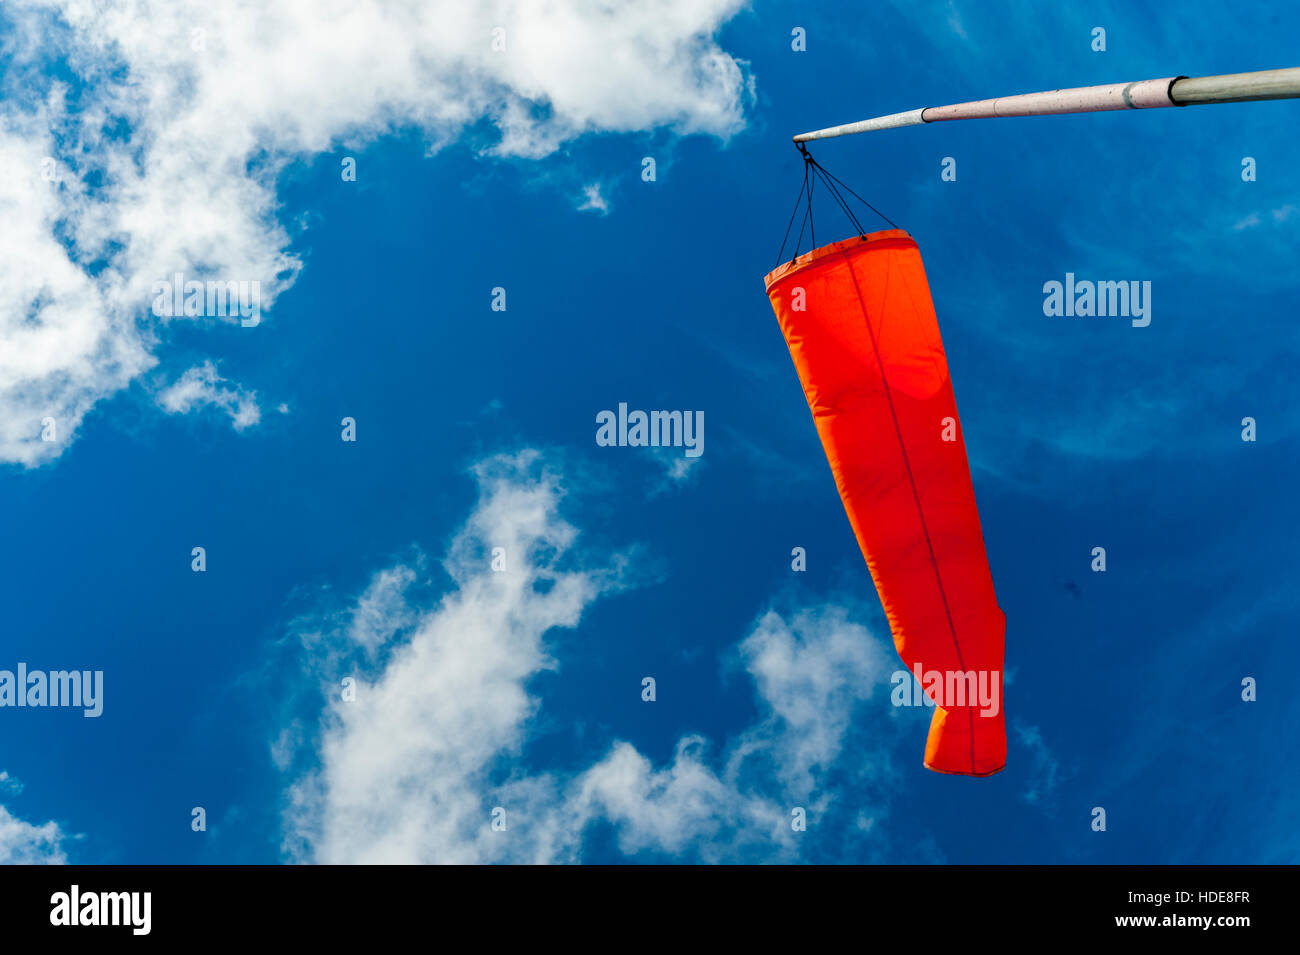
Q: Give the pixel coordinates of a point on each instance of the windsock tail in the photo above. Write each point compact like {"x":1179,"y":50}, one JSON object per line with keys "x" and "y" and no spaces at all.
{"x":964,"y":743}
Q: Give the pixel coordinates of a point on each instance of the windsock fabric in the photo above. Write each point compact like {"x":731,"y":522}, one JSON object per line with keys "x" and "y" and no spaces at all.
{"x":860,"y":325}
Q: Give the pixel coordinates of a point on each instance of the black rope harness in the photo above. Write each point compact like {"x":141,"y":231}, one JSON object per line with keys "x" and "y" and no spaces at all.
{"x":812,"y":169}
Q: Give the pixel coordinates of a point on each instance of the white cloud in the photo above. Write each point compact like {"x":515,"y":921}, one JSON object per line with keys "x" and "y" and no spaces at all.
{"x":678,"y":470}
{"x":22,"y":843}
{"x":63,"y":346}
{"x":954,"y":21}
{"x":686,"y":807}
{"x":811,"y":671}
{"x":593,"y":200}
{"x":1046,"y":774}
{"x":1282,"y":214}
{"x":185,"y":112}
{"x":202,"y":387}
{"x":403,"y":768}
{"x":410,"y":770}
{"x":382,"y":611}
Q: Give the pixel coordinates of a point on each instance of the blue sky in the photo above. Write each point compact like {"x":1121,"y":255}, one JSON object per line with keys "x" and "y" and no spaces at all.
{"x":475,"y":429}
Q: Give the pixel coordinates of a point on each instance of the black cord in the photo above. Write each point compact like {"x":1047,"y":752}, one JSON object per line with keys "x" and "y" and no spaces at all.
{"x":811,"y":170}
{"x":839,"y":199}
{"x":837,"y":180}
{"x":803,"y":224}
{"x":811,"y":183}
{"x":793,"y":212}
{"x":804,"y":190}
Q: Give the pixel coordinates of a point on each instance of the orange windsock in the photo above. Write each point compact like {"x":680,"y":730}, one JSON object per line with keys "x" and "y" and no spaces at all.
{"x":860,"y":325}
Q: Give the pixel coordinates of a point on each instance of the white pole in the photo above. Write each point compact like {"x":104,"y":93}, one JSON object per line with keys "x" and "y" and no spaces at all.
{"x":1142,"y":94}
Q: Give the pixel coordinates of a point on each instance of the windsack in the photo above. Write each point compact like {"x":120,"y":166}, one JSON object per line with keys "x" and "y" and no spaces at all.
{"x":860,"y":325}
{"x":861,"y":328}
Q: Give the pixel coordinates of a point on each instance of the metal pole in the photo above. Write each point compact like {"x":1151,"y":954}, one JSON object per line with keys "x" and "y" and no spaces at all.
{"x":1142,"y":94}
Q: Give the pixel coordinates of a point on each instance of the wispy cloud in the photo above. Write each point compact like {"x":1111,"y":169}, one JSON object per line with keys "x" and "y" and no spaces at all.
{"x":1045,"y":771}
{"x":410,"y":770}
{"x":202,"y":387}
{"x":678,"y":470}
{"x":593,"y":199}
{"x":1283,"y":213}
{"x":22,"y":843}
{"x":955,"y":23}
